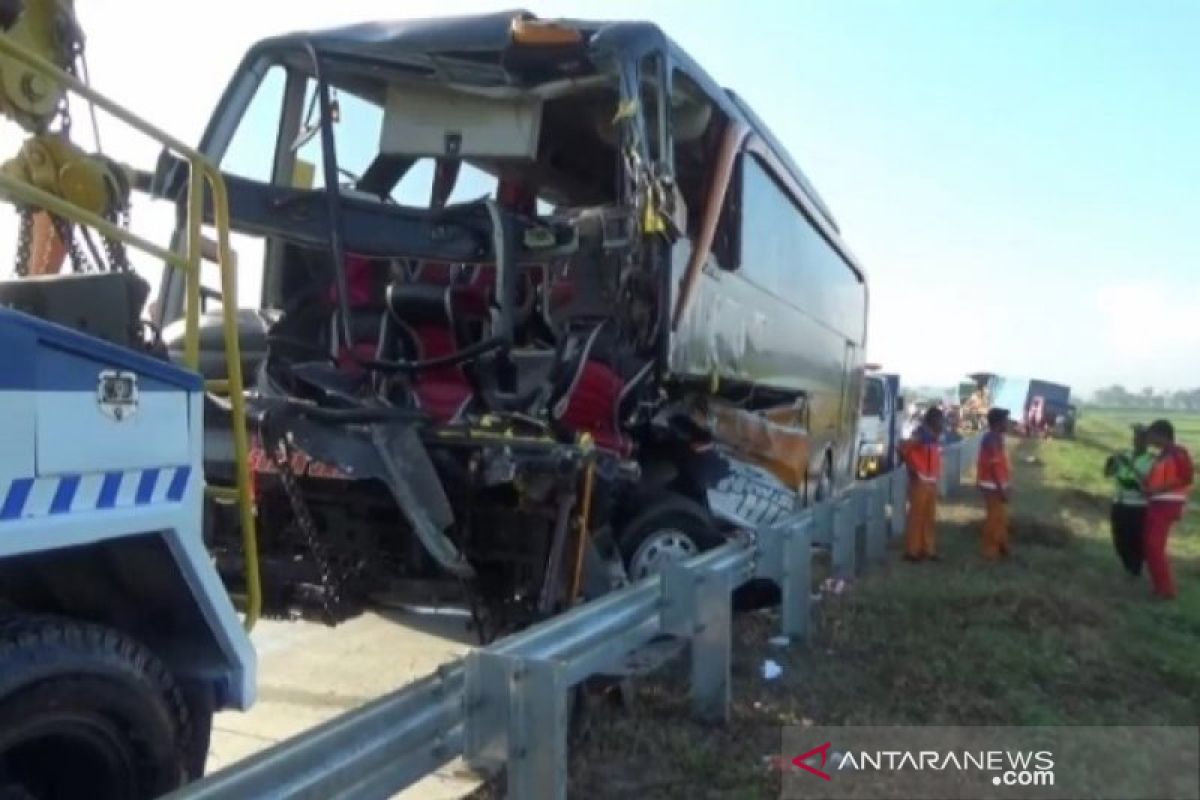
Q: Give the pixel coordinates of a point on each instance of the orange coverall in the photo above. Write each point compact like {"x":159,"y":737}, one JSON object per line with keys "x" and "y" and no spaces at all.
{"x":923,"y":456}
{"x":994,"y":476}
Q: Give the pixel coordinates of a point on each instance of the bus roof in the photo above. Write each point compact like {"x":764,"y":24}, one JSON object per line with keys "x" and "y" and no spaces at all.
{"x":458,"y":48}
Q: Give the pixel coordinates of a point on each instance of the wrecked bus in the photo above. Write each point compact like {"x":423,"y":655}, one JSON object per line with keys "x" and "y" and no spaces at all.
{"x":534,"y":307}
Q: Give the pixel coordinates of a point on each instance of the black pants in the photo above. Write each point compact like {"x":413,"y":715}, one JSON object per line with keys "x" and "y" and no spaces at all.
{"x":1127,"y":535}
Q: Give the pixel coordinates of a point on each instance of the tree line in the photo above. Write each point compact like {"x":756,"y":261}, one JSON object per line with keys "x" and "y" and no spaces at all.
{"x":1118,"y":396}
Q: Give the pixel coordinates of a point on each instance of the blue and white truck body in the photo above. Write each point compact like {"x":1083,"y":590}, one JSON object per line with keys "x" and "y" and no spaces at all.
{"x":102,"y":560}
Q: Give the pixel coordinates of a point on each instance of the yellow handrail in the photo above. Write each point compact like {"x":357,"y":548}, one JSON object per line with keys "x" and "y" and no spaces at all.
{"x":202,"y":175}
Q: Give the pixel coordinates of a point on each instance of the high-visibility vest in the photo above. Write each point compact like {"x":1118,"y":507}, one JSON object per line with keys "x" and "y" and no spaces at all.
{"x":1170,"y":479}
{"x":923,"y":455}
{"x":1129,"y":471}
{"x":992,"y":472}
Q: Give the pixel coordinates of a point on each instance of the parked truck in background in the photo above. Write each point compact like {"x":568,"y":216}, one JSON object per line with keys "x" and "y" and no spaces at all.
{"x":1056,"y":401}
{"x":1040,"y":404}
{"x":879,"y":424}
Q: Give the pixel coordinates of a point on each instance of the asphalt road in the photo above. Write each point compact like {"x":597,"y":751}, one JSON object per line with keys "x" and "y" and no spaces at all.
{"x":309,"y":673}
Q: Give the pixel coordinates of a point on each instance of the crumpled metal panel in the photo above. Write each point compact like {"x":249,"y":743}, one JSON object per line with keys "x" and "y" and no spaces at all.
{"x":774,"y":439}
{"x":759,"y":464}
{"x":732,"y":331}
{"x":747,"y":495}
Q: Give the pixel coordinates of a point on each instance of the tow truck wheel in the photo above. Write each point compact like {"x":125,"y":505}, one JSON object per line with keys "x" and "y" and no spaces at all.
{"x":672,"y":528}
{"x":86,"y":712}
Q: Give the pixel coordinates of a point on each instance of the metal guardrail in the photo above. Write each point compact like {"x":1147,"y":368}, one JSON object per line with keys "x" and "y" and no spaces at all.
{"x":507,"y":705}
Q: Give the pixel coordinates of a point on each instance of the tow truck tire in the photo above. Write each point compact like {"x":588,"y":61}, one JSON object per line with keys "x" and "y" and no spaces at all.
{"x":85,"y":711}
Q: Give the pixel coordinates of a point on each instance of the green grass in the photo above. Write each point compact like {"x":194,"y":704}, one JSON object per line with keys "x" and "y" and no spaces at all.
{"x":1058,"y":634}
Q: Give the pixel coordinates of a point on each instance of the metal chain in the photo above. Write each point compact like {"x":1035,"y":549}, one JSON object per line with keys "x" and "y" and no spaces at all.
{"x":114,"y":249}
{"x":331,"y":596}
{"x":66,"y":233}
{"x":24,"y":241}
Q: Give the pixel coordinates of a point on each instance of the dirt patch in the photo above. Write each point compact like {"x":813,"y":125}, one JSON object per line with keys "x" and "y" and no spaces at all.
{"x":1041,"y":612}
{"x":1027,"y":531}
{"x":1086,"y":500}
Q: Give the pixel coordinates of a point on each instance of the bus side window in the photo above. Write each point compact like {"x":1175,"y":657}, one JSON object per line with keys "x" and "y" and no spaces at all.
{"x":784,"y":253}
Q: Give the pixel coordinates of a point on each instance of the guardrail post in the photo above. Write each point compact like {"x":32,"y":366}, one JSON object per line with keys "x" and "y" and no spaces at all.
{"x":876,"y":550}
{"x":845,"y":523}
{"x":862,"y":499}
{"x":796,"y":579}
{"x":970,"y":453}
{"x":537,"y":749}
{"x":697,"y":606}
{"x":899,"y":516}
{"x":952,"y":469}
{"x":486,"y":690}
{"x":822,"y":517}
{"x":516,"y":714}
{"x":678,"y":600}
{"x":712,"y":654}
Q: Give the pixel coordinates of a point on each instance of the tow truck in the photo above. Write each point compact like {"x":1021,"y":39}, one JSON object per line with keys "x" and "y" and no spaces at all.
{"x":117,"y":639}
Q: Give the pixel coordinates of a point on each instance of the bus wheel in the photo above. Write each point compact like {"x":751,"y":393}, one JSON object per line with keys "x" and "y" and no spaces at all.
{"x":86,"y":696}
{"x":672,"y":528}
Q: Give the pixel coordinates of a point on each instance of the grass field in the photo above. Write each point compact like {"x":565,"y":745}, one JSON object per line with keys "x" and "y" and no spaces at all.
{"x":1056,"y":635}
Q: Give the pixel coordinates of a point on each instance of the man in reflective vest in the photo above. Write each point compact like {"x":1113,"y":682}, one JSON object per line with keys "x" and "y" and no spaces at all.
{"x":922,"y":455}
{"x":1167,"y":487}
{"x":1128,"y":514}
{"x":993,"y":475}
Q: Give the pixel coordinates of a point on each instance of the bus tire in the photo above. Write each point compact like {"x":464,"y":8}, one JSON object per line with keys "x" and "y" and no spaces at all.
{"x":671,"y":528}
{"x":85,"y":695}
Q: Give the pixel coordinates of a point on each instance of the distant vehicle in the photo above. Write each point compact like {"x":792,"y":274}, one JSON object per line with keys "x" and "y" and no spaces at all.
{"x":976,"y":396}
{"x":1056,"y":400}
{"x":1050,"y":403}
{"x":879,"y":424}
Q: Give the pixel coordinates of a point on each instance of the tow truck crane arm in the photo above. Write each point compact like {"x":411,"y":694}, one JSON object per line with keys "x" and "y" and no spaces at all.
{"x":49,"y":160}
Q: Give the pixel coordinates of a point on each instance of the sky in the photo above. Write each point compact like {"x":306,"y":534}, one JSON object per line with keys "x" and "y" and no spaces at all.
{"x":1021,"y":179}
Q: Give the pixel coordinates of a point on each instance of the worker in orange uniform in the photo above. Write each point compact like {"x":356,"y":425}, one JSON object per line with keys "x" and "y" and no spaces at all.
{"x":993,"y":475}
{"x":1167,"y":487}
{"x":922,"y":454}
